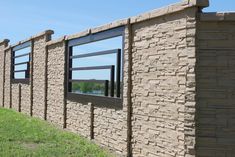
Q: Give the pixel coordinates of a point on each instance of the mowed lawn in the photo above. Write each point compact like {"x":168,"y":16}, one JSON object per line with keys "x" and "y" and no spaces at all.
{"x":23,"y":136}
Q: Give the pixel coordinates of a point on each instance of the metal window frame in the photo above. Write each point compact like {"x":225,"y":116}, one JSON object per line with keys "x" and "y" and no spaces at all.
{"x":13,"y":64}
{"x":110,"y":68}
{"x":102,"y":101}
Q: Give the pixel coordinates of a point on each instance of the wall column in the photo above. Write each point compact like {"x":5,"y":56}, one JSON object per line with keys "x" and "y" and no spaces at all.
{"x":3,"y":45}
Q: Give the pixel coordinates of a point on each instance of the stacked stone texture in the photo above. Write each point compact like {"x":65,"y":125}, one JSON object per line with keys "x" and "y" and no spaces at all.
{"x":39,"y":55}
{"x":55,"y":89}
{"x":3,"y":45}
{"x":189,"y":111}
{"x":79,"y":118}
{"x":15,"y":96}
{"x":182,"y":85}
{"x":216,"y":86}
{"x":110,"y":128}
{"x":7,"y":84}
{"x":110,"y":124}
{"x":159,"y":72}
{"x":25,"y":99}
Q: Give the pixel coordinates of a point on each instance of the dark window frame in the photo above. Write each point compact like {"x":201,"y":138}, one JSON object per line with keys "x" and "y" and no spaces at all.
{"x":102,"y":101}
{"x":13,"y":64}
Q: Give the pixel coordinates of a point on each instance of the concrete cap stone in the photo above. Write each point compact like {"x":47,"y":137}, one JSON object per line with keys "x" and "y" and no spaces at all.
{"x":46,"y":32}
{"x":59,"y":40}
{"x":104,"y":27}
{"x":109,"y":26}
{"x":145,"y":16}
{"x":199,"y":3}
{"x":170,"y":9}
{"x":78,"y":35}
{"x":4,"y":42}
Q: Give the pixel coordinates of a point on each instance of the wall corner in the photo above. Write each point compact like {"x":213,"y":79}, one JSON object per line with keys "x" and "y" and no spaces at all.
{"x":190,"y":93}
{"x":46,"y":33}
{"x":4,"y":42}
{"x":199,"y":3}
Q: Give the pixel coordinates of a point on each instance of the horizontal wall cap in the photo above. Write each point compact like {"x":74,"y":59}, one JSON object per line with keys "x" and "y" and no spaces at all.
{"x":199,"y":3}
{"x":213,"y":16}
{"x":78,"y":35}
{"x":145,"y":16}
{"x":98,"y":29}
{"x":169,"y":10}
{"x":46,"y":32}
{"x":56,"y":41}
{"x":108,"y":26}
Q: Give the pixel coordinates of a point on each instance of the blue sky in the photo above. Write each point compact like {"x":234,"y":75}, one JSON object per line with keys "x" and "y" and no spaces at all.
{"x":21,"y":19}
{"x":24,"y":18}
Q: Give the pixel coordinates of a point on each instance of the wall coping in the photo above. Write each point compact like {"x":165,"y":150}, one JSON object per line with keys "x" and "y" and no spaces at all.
{"x":184,"y":4}
{"x":80,"y":34}
{"x":56,"y":41}
{"x":170,"y":9}
{"x":199,"y":3}
{"x":214,"y":16}
{"x":4,"y":41}
{"x":46,"y":32}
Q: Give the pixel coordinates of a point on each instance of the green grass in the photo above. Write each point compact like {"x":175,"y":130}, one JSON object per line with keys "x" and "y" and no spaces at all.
{"x":23,"y":136}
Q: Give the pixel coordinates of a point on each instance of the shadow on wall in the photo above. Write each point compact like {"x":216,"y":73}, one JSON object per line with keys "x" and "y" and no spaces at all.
{"x":216,"y":89}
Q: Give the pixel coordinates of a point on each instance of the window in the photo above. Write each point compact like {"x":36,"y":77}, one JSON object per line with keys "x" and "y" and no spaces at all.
{"x":95,"y":67}
{"x":21,"y":63}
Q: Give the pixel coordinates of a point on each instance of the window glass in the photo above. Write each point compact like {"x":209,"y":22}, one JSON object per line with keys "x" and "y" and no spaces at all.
{"x":23,"y":51}
{"x":102,"y":45}
{"x":19,"y":75}
{"x":22,"y":59}
{"x":109,"y":59}
{"x":97,"y":81}
{"x":21,"y":62}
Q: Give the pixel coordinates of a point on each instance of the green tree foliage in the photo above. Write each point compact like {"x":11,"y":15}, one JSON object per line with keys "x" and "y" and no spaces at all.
{"x":88,"y":87}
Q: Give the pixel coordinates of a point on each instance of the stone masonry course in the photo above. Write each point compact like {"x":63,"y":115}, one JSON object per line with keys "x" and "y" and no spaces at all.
{"x":178,"y":85}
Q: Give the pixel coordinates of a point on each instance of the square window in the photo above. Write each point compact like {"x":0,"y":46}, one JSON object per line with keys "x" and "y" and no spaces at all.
{"x":95,"y":66}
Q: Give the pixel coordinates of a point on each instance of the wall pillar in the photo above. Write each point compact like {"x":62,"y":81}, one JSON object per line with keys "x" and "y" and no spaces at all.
{"x":3,"y":45}
{"x":39,"y":72}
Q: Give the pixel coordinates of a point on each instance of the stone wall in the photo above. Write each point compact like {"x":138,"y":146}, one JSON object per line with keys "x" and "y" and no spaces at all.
{"x":110,"y":123}
{"x":178,"y":85}
{"x":55,"y":82}
{"x":25,"y":99}
{"x":79,"y":118}
{"x":39,"y":64}
{"x":20,"y":98}
{"x":7,"y":80}
{"x":160,"y":68}
{"x":216,"y":85}
{"x":110,"y":128}
{"x":3,"y":45}
{"x":16,"y":97}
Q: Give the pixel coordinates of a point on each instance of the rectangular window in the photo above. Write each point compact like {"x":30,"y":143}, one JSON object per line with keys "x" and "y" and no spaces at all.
{"x":21,"y":63}
{"x":95,"y":67}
